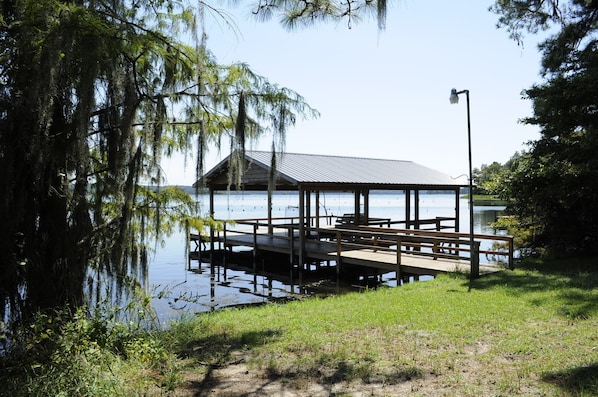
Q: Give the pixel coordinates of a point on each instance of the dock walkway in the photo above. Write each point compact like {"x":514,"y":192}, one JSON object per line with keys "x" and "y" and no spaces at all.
{"x":405,"y":251}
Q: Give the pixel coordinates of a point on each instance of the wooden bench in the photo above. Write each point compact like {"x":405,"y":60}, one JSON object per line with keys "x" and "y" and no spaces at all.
{"x":349,"y":219}
{"x":345,"y":219}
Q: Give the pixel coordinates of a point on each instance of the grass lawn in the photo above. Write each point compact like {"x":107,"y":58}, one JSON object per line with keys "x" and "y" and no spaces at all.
{"x":521,"y":332}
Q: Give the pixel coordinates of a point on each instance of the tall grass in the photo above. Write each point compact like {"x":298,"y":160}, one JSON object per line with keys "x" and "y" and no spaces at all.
{"x":73,"y":353}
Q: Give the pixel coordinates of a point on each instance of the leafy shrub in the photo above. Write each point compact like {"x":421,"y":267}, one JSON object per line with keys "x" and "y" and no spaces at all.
{"x":66,"y":353}
{"x":523,"y":235}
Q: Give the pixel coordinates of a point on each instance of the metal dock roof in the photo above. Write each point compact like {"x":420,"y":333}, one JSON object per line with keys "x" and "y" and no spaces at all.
{"x":296,"y":169}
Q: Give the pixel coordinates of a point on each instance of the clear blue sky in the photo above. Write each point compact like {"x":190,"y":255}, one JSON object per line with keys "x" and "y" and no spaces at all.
{"x":385,"y":94}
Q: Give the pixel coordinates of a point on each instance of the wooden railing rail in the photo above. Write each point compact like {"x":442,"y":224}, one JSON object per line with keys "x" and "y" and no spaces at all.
{"x":345,"y":241}
{"x":286,"y":219}
{"x":435,"y":247}
{"x":435,"y":244}
{"x":508,"y":240}
{"x":438,"y":222}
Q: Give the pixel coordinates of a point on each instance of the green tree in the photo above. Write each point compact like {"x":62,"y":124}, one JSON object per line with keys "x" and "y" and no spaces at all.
{"x":93,"y":94}
{"x":494,"y":179}
{"x":484,"y":175}
{"x":302,"y":13}
{"x":554,"y":183}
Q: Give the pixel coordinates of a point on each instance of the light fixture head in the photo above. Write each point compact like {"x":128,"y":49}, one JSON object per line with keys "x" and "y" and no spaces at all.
{"x":454,"y":98}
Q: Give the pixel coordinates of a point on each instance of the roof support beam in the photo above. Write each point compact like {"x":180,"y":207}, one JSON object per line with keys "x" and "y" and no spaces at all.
{"x":270,"y":226}
{"x":301,"y":230}
{"x":457,"y":215}
{"x":366,"y":203}
{"x":317,"y":209}
{"x":407,"y":208}
{"x":357,"y":206}
{"x":417,"y":225}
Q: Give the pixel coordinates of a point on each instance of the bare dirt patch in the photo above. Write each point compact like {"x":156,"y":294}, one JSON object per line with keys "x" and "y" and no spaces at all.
{"x":239,"y":379}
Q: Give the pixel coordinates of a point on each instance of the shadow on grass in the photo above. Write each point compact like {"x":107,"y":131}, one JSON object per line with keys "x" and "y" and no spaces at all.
{"x":347,"y":371}
{"x":217,"y":350}
{"x":578,"y":381}
{"x":220,"y":352}
{"x":575,"y":282}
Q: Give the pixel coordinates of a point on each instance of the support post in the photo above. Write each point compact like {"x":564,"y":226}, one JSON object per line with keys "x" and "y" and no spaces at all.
{"x":475,"y":259}
{"x":407,"y":209}
{"x":255,"y":226}
{"x":457,"y":210}
{"x":457,"y":216}
{"x":366,"y":204}
{"x":357,"y":206}
{"x":417,"y":224}
{"x":339,"y":250}
{"x":224,"y":245}
{"x":318,"y":211}
{"x":301,"y":233}
{"x":308,"y":211}
{"x":291,"y":255}
{"x":511,"y":261}
{"x":188,"y":249}
{"x":398,"y":260}
{"x":211,"y":227}
{"x":270,"y":226}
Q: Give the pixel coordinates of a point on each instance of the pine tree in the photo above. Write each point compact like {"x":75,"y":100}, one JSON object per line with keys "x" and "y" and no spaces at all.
{"x":554,"y":184}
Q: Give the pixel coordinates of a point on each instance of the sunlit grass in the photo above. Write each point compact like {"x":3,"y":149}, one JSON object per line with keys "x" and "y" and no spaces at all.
{"x":531,"y":331}
{"x":508,"y":334}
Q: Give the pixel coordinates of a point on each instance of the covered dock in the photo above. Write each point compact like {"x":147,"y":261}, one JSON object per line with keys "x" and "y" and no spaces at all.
{"x":404,"y":243}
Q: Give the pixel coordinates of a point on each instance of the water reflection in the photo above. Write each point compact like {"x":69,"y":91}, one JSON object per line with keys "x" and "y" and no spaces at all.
{"x":483,"y":217}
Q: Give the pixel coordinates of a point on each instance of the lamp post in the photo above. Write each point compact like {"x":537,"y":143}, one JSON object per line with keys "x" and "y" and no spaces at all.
{"x":474,"y":254}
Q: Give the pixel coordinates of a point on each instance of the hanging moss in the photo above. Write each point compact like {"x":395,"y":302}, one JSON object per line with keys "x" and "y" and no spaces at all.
{"x":94,"y":93}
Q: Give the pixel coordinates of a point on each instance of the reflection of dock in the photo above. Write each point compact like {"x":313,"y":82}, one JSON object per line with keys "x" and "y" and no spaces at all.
{"x":408,"y":252}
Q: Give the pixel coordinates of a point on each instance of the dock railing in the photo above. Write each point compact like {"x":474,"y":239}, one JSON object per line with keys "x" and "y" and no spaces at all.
{"x":441,"y":241}
{"x":438,"y":223}
{"x":400,"y":242}
{"x":429,"y":243}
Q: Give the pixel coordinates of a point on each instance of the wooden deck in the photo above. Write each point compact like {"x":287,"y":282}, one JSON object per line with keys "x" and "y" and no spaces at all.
{"x":405,"y":251}
{"x":372,"y":257}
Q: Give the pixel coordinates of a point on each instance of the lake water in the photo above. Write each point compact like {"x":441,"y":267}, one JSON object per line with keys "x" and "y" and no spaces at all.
{"x":212,"y":287}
